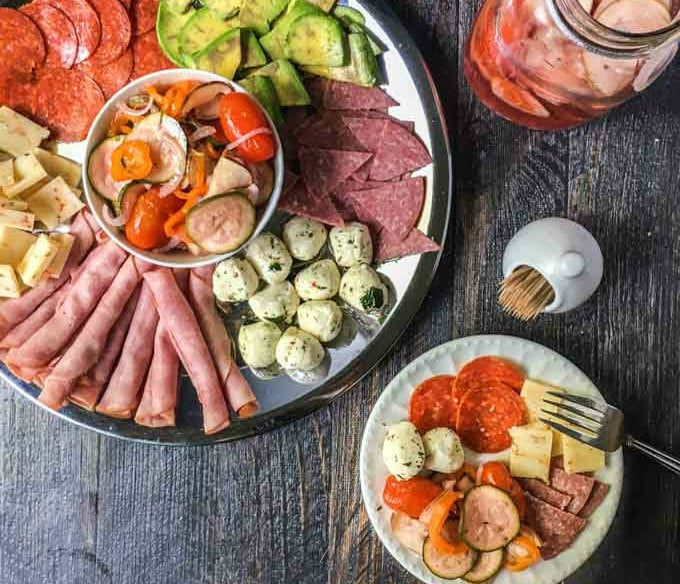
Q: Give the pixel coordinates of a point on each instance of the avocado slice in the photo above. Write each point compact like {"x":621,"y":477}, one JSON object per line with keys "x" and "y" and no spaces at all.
{"x":223,"y":9}
{"x":263,"y":90}
{"x":253,"y":55}
{"x":362,"y":69}
{"x":274,"y":42}
{"x":201,"y":30}
{"x":168,"y":26}
{"x":325,"y":5}
{"x":223,"y":56}
{"x":259,"y":14}
{"x":287,"y":82}
{"x":317,"y":39}
{"x":176,"y":6}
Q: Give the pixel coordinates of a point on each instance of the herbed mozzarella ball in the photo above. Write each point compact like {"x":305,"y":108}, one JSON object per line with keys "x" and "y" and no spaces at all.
{"x":351,"y":245}
{"x":234,"y":280}
{"x":277,"y":302}
{"x":321,"y":318}
{"x":320,"y":281}
{"x":362,"y":288}
{"x":298,"y":349}
{"x":257,"y":343}
{"x":443,"y":450}
{"x":304,"y":238}
{"x":403,"y":450}
{"x":270,"y":258}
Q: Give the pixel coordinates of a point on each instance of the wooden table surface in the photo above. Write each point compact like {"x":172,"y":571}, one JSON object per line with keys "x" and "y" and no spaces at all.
{"x":286,"y":507}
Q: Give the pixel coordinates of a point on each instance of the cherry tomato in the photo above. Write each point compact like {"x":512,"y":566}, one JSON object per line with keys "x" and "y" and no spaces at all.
{"x":144,"y":229}
{"x":496,"y":474}
{"x":410,"y":496}
{"x":239,"y":115}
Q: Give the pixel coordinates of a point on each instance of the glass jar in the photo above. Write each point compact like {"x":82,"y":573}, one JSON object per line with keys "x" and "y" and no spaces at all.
{"x":554,"y":64}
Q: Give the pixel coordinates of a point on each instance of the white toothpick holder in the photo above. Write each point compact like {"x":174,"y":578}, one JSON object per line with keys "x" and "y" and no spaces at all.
{"x":565,"y":253}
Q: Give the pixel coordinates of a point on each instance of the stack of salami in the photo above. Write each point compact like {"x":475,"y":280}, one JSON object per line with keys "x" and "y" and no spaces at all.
{"x":558,"y":511}
{"x":60,"y":60}
{"x":349,"y":160}
{"x":111,"y":333}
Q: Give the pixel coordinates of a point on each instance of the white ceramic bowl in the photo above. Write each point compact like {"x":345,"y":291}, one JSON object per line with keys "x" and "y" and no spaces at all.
{"x":175,"y":259}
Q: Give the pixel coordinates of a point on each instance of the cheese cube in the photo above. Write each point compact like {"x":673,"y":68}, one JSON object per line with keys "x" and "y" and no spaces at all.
{"x":10,"y":286}
{"x":28,"y":172}
{"x":530,"y":452}
{"x":14,"y":204}
{"x":579,"y":457}
{"x":14,"y":244}
{"x":55,"y":203}
{"x":557,"y":448}
{"x":6,"y":173}
{"x":17,"y":219}
{"x":40,"y":255}
{"x":65,"y":243}
{"x":19,"y":134}
{"x":533,"y":393}
{"x":56,"y":165}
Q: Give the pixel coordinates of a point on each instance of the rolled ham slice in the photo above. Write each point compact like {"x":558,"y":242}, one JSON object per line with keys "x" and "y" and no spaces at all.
{"x":90,"y":386}
{"x":158,"y":407}
{"x":235,"y":387}
{"x":124,"y":390}
{"x":185,"y":332}
{"x":25,"y":329}
{"x":90,"y":343}
{"x":89,"y":285}
{"x":16,"y":310}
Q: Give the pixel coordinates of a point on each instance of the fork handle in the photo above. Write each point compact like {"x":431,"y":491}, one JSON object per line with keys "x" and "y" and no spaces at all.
{"x":666,"y":460}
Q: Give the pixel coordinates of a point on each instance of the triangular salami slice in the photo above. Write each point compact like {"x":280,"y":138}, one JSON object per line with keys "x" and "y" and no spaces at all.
{"x":395,"y":206}
{"x":340,"y":95}
{"x":387,"y":247}
{"x":300,"y":201}
{"x":323,"y":170}
{"x":368,"y":131}
{"x":400,"y":152}
{"x":329,"y":131}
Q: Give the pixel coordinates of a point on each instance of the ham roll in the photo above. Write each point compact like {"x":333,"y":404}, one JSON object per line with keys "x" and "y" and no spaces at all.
{"x":90,"y":343}
{"x":16,"y":310}
{"x":25,"y":329}
{"x":124,"y":390}
{"x":235,"y":387}
{"x":185,"y":332}
{"x":90,"y":386}
{"x":89,"y":284}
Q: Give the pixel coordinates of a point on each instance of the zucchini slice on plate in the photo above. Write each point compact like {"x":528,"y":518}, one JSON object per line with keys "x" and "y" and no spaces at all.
{"x":488,"y":564}
{"x":316,"y":39}
{"x":448,"y":566}
{"x":489,"y":519}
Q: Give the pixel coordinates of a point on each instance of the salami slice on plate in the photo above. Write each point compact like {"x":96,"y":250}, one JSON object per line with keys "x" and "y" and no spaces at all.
{"x":317,"y":87}
{"x":557,"y":529}
{"x":389,"y":247}
{"x":545,"y":493}
{"x":368,"y":131}
{"x":58,"y":32}
{"x":577,"y":485}
{"x":143,"y":15}
{"x":400,"y":152}
{"x":86,"y":23}
{"x":597,"y":495}
{"x":340,"y":95}
{"x":328,"y":131}
{"x":109,"y":76}
{"x":344,"y":207}
{"x":323,"y":170}
{"x":300,"y":201}
{"x":430,"y":404}
{"x":20,"y":52}
{"x":116,"y":30}
{"x":148,"y":56}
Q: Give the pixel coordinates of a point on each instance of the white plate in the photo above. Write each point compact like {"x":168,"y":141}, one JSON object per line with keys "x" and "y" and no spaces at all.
{"x":539,"y":363}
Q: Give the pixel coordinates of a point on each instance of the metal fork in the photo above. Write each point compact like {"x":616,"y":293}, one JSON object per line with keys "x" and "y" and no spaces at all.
{"x":598,"y":425}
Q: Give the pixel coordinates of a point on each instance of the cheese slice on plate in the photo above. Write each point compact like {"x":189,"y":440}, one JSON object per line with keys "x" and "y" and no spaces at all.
{"x":579,"y":457}
{"x":10,"y":286}
{"x":6,"y":173}
{"x":65,"y":243}
{"x":14,"y":244}
{"x":17,"y":219}
{"x":54,"y":203}
{"x":56,"y":165}
{"x":531,"y":451}
{"x":13,"y":204}
{"x":28,"y":172}
{"x":533,"y":393}
{"x":39,"y":256}
{"x":19,"y":134}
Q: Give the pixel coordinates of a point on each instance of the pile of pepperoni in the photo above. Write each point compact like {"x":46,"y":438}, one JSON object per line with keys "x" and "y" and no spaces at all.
{"x":481,"y":404}
{"x":60,"y":60}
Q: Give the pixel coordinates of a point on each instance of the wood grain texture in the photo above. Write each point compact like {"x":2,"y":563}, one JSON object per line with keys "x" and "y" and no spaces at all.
{"x":286,"y":507}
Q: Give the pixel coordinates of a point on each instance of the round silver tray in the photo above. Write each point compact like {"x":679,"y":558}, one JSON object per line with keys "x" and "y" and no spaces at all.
{"x":283,"y":400}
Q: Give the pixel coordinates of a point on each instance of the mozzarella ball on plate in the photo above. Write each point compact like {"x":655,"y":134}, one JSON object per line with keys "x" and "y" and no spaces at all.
{"x":443,"y":450}
{"x":403,"y":450}
{"x":321,"y":318}
{"x":351,"y":245}
{"x":298,"y":349}
{"x":257,"y":343}
{"x":270,"y":258}
{"x":277,"y":302}
{"x":362,"y":288}
{"x":234,"y":280}
{"x":304,"y":238}
{"x":320,"y":281}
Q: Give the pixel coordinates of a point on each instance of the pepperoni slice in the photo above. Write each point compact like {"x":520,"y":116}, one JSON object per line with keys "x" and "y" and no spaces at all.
{"x":86,"y":23}
{"x":143,"y":15}
{"x":489,"y":370}
{"x":17,"y":91}
{"x":116,"y":30}
{"x":431,"y":403}
{"x":110,"y":76}
{"x":58,"y":31}
{"x":486,"y":414}
{"x":148,"y":55}
{"x":22,"y":43}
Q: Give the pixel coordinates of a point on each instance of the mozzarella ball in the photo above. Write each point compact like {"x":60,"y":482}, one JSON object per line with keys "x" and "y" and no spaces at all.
{"x":351,"y":245}
{"x":257,"y":343}
{"x":234,"y":280}
{"x":270,"y":258}
{"x":299,"y":350}
{"x":403,"y":450}
{"x":304,"y":238}
{"x":320,"y":281}
{"x":443,"y":450}
{"x":321,"y":318}
{"x":277,"y":302}
{"x":362,"y":288}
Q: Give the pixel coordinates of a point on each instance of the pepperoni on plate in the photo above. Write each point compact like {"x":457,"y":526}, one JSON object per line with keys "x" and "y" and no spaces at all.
{"x":17,"y":91}
{"x":110,"y":76}
{"x":20,"y":52}
{"x":58,"y":32}
{"x":86,"y":23}
{"x":148,"y":56}
{"x":67,"y":101}
{"x":116,"y":30}
{"x":430,"y":403}
{"x":489,"y":370}
{"x":143,"y":15}
{"x":486,"y":414}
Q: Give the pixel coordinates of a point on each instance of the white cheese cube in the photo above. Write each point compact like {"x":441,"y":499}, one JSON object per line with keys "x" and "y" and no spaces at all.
{"x":56,"y":165}
{"x":14,"y":204}
{"x":17,"y":219}
{"x":579,"y":457}
{"x":6,"y":173}
{"x":533,"y":394}
{"x":28,"y":172}
{"x":40,"y":255}
{"x":10,"y":286}
{"x":65,"y":243}
{"x":19,"y":134}
{"x":14,"y":244}
{"x":55,"y":203}
{"x":530,"y":452}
